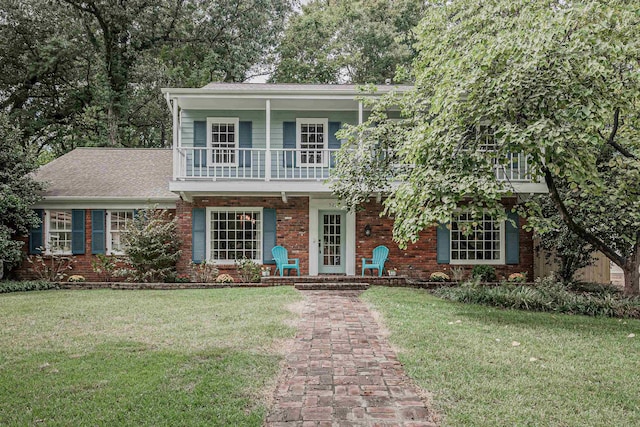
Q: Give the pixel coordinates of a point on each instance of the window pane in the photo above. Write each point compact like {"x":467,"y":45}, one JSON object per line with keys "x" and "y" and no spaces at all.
{"x":238,"y":231}
{"x":481,"y":242}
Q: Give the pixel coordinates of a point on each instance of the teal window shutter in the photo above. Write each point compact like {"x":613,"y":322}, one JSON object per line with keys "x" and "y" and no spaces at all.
{"x":512,"y":239}
{"x":443,"y":244}
{"x":200,"y":141}
{"x":334,"y":142}
{"x":269,"y":226}
{"x":77,"y":231}
{"x":198,"y":235}
{"x":35,"y":234}
{"x":245,"y":141}
{"x":98,"y":232}
{"x":289,"y":143}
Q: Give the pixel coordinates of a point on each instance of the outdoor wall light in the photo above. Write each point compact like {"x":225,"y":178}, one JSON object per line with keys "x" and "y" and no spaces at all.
{"x":367,"y":230}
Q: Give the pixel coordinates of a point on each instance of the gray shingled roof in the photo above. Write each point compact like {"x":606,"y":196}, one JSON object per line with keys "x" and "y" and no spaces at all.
{"x":102,"y":173}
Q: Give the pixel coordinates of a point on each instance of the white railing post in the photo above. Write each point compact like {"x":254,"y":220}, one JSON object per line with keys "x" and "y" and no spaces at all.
{"x":176,"y":157}
{"x":267,"y":157}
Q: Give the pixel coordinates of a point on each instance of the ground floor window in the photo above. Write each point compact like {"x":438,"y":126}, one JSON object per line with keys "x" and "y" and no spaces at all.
{"x":476,"y":244}
{"x":235,"y":233}
{"x":117,"y":222}
{"x":59,"y":231}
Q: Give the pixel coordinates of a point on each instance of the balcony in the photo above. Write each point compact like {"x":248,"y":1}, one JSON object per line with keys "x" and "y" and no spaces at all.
{"x":282,"y":170}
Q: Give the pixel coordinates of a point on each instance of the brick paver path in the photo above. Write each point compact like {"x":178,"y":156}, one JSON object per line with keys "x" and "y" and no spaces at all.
{"x":342,"y":372}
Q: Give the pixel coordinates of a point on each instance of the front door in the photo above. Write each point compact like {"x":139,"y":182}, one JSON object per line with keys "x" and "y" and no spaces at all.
{"x":331,"y":242}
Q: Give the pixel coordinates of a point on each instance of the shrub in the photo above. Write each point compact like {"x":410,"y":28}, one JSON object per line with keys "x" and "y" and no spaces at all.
{"x":517,"y":277}
{"x":545,"y":295}
{"x":204,"y":272}
{"x":224,"y":278}
{"x":32,"y":285}
{"x":52,"y":268}
{"x":77,"y":278}
{"x":248,"y":270}
{"x":183,"y":278}
{"x":438,"y":276}
{"x":152,"y":247}
{"x":484,"y":273}
{"x":457,"y":274}
{"x":104,"y":266}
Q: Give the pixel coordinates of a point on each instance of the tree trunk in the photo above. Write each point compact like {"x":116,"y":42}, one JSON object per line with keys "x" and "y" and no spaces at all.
{"x":631,"y":271}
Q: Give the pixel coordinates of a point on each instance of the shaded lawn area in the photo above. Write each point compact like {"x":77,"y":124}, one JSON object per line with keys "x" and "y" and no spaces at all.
{"x":103,"y":357}
{"x":566,"y":370}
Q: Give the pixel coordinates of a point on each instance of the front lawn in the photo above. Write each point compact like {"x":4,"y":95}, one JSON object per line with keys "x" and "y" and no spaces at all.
{"x":494,"y":367}
{"x":103,"y":357}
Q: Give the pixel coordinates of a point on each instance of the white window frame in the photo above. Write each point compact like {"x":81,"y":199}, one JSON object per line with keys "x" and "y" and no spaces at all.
{"x":500,"y":261}
{"x":325,"y":140}
{"x":110,"y":250}
{"x":225,"y":120}
{"x":47,"y":232}
{"x":208,"y":229}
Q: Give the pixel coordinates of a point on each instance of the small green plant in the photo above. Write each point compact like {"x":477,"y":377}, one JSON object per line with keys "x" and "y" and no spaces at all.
{"x":23,"y":286}
{"x":438,"y":276}
{"x":204,"y":272}
{"x":457,"y":274}
{"x":517,"y":277}
{"x":77,"y":278}
{"x":248,"y":270}
{"x":484,"y":273}
{"x":104,"y":266}
{"x":224,"y":278}
{"x":183,"y":278}
{"x":52,"y":268}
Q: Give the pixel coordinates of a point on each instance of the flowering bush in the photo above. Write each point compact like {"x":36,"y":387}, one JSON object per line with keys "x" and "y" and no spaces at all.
{"x":517,"y":277}
{"x":224,"y":278}
{"x":439,"y":276}
{"x":77,"y":278}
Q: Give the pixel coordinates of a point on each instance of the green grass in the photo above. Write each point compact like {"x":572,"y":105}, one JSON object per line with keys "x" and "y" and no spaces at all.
{"x":567,"y":370}
{"x":192,"y":357}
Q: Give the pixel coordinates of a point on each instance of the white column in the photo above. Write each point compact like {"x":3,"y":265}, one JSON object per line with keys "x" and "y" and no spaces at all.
{"x":360,"y":112}
{"x":267,"y":156}
{"x":176,"y":133}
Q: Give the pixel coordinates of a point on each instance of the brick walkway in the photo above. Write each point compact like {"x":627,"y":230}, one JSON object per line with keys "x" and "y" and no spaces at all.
{"x":342,"y":372}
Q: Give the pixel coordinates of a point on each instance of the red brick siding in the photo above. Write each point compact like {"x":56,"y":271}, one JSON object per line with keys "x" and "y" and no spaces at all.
{"x":291,"y":232}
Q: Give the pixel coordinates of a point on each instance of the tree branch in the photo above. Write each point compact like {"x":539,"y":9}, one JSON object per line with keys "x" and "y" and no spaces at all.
{"x":611,"y":140}
{"x":576,"y":228}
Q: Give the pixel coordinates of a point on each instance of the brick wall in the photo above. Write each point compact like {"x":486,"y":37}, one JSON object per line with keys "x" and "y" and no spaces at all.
{"x":81,"y":263}
{"x":419,"y":259}
{"x":291,"y":232}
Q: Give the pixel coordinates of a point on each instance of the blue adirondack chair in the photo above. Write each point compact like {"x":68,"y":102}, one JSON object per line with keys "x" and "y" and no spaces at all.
{"x":380,"y":255}
{"x":283,"y":262}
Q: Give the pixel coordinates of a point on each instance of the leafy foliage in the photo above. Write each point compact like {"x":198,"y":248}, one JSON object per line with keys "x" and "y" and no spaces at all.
{"x":26,"y":285}
{"x":152,"y":247}
{"x":51,"y":268}
{"x":248,"y":270}
{"x":104,"y":265}
{"x":77,"y":73}
{"x":18,"y":192}
{"x":204,"y":272}
{"x":547,"y":295}
{"x":485,"y":273}
{"x":347,"y":41}
{"x":556,"y":81}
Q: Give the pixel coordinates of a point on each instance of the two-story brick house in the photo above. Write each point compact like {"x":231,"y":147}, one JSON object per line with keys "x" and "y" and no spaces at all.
{"x":248,"y":171}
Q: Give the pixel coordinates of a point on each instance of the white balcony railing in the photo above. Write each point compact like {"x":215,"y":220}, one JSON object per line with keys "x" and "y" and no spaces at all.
{"x":289,"y":164}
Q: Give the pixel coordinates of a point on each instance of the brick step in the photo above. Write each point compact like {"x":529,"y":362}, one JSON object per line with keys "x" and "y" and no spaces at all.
{"x":372,"y":280}
{"x":327,"y":286}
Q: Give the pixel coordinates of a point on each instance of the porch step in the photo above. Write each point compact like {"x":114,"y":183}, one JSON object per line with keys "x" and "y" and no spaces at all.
{"x":327,"y":286}
{"x":371,"y":280}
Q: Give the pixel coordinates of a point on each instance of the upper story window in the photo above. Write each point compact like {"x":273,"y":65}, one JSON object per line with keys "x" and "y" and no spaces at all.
{"x":476,"y":244}
{"x":312,"y":137}
{"x":117,"y":222}
{"x":58,"y":232}
{"x":234,"y":233}
{"x":222,"y":138}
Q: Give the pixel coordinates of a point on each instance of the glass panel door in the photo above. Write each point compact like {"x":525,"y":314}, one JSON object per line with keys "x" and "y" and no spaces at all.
{"x":332,"y":242}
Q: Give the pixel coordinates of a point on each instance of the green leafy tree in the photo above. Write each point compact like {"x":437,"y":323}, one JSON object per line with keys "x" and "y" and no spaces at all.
{"x":152,"y":247}
{"x":347,"y":41}
{"x":18,"y":193}
{"x":557,"y":81}
{"x":76,"y":73}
